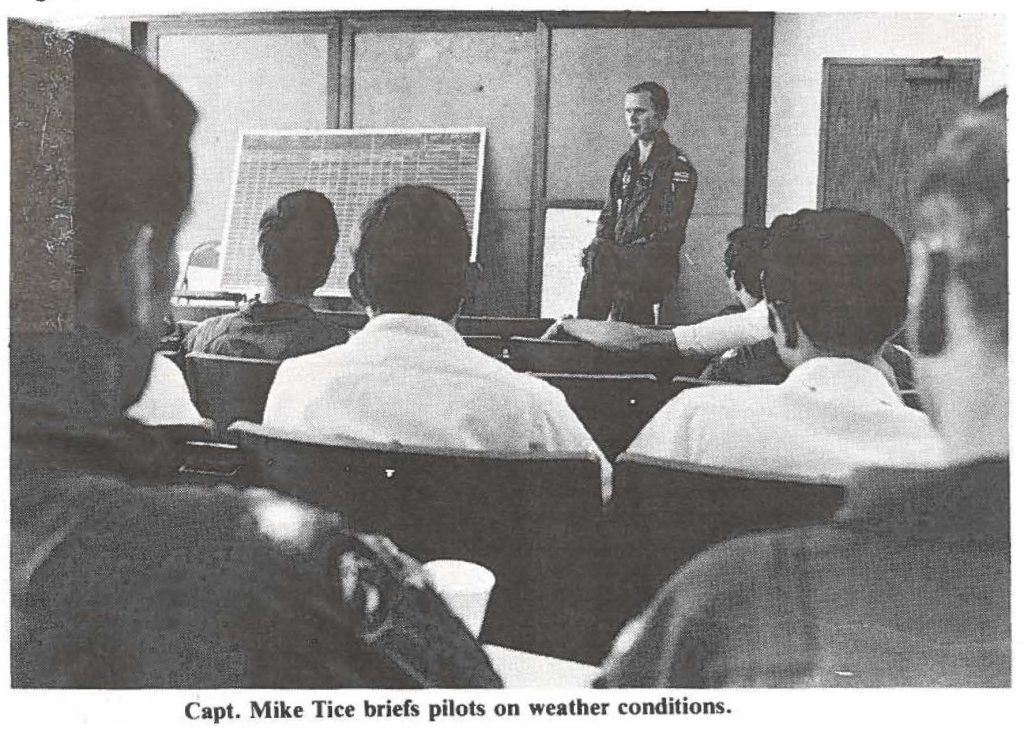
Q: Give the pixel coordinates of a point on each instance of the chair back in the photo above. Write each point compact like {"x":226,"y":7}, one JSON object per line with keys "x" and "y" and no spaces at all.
{"x":492,"y":346}
{"x":614,"y":408}
{"x":532,"y":519}
{"x":555,"y":356}
{"x":226,"y":389}
{"x":505,"y":327}
{"x":663,"y":513}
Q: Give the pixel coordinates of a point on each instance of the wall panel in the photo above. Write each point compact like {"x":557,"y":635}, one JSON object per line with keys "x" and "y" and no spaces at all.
{"x":456,"y":79}
{"x":258,"y":80}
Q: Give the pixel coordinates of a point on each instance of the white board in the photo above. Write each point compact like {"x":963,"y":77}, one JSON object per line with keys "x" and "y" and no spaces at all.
{"x":567,"y":231}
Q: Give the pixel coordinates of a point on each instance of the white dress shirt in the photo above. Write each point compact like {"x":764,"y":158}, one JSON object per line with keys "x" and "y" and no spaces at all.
{"x":721,"y":333}
{"x":412,"y":380}
{"x":830,"y":416}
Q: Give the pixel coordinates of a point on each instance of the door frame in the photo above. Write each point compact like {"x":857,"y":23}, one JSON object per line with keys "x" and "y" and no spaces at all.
{"x":925,"y":64}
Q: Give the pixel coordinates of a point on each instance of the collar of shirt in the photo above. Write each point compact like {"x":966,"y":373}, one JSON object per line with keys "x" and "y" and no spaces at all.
{"x":661,"y":148}
{"x":967,"y":502}
{"x":278,"y":311}
{"x":845,"y":377}
{"x":409,"y":325}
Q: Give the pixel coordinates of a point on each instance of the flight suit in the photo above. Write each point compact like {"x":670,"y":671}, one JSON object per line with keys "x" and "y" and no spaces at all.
{"x":633,"y":261}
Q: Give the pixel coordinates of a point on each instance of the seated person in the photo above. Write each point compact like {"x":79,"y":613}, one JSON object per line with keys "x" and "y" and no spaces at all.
{"x":910,"y":584}
{"x":756,"y":363}
{"x":118,"y":578}
{"x":759,"y":363}
{"x":407,"y":377}
{"x":296,"y":245}
{"x":836,"y":283}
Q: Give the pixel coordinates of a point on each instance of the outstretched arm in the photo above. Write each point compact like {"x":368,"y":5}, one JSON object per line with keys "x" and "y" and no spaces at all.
{"x":614,"y":336}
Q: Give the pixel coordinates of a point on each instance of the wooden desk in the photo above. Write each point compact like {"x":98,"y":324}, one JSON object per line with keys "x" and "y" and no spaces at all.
{"x":519,"y":669}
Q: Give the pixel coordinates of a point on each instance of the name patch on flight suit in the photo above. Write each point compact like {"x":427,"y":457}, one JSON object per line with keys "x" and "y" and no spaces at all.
{"x":680,"y":178}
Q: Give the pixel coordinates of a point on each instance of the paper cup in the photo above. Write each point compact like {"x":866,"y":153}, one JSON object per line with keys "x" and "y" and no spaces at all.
{"x":465,"y":586}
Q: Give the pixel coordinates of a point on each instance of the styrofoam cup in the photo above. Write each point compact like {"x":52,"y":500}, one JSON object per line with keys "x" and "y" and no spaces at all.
{"x":465,"y":586}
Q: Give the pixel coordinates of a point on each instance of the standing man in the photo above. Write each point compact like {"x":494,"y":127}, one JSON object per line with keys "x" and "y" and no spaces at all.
{"x":633,"y":261}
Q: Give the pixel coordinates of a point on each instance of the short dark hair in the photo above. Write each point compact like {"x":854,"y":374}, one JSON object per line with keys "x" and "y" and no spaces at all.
{"x":116,"y":156}
{"x":413,"y":253}
{"x":659,"y":96}
{"x":744,"y":258}
{"x":840,"y":274}
{"x":967,"y":176}
{"x":297,"y":240}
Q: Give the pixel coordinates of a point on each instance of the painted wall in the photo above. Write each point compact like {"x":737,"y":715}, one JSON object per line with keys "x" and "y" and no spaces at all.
{"x":803,"y":40}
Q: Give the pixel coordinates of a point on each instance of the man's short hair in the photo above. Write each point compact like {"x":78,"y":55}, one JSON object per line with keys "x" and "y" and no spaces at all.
{"x":966,"y":180}
{"x":297,"y":240}
{"x":840,"y":274}
{"x":99,"y":147}
{"x":744,"y":258}
{"x":659,"y":96}
{"x":413,"y":253}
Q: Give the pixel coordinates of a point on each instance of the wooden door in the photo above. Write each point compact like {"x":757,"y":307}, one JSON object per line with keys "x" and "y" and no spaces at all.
{"x":879,"y":119}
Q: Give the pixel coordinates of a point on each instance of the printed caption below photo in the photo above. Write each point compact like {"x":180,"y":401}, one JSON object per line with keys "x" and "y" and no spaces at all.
{"x":448,"y":709}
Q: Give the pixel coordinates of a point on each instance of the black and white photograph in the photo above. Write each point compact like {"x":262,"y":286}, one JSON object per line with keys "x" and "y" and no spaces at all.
{"x":559,"y":351}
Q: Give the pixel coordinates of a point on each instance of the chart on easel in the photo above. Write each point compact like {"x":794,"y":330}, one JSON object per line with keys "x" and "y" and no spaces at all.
{"x":352,"y":168}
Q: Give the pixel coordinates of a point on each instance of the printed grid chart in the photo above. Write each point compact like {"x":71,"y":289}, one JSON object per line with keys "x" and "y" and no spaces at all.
{"x":352,"y":168}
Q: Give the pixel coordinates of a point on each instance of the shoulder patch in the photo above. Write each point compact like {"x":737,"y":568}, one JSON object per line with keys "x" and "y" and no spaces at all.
{"x":682,"y":158}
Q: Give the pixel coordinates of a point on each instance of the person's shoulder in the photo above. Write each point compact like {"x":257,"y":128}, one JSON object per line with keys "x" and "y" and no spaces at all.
{"x":323,"y":359}
{"x":714,"y":398}
{"x":692,"y":418}
{"x":200,"y":337}
{"x":623,"y":161}
{"x":736,"y":567}
{"x":679,"y":159}
{"x":510,"y":379}
{"x":530,"y":390}
{"x":682,"y":171}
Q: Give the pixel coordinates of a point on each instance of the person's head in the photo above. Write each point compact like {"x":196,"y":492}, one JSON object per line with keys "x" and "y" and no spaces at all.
{"x":101,"y":173}
{"x":959,"y":302}
{"x":836,"y":285}
{"x":744,"y":262}
{"x":297,"y":241}
{"x":412,"y":254}
{"x":646,"y":108}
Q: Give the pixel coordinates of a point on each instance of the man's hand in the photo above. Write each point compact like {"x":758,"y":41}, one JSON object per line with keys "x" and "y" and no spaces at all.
{"x":555,"y":331}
